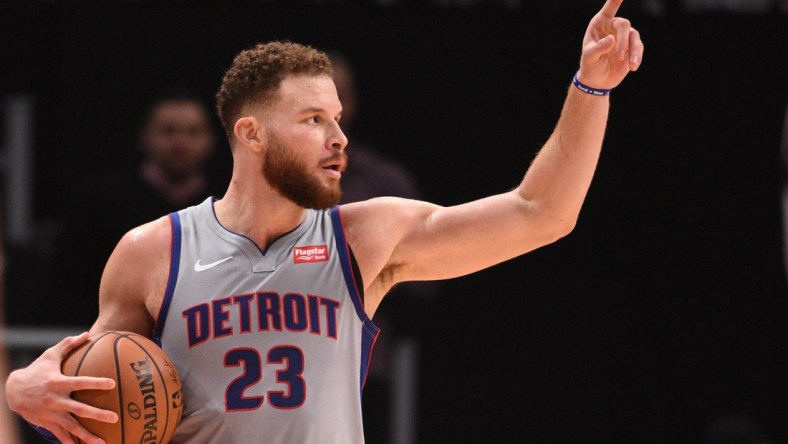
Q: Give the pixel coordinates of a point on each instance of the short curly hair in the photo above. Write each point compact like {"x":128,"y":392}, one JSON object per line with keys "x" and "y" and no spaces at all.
{"x":256,"y":73}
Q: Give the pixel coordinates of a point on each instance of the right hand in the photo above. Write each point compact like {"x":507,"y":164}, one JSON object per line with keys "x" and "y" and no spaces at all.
{"x":611,"y":49}
{"x":41,"y":394}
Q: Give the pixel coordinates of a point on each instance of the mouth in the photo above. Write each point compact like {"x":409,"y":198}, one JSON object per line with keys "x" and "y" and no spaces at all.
{"x":336,"y":165}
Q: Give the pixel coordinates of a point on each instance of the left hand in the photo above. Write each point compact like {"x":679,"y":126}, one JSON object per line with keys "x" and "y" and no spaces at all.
{"x":611,"y":49}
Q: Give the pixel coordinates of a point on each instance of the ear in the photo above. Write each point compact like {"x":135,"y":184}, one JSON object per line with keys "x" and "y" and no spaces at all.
{"x":248,"y":132}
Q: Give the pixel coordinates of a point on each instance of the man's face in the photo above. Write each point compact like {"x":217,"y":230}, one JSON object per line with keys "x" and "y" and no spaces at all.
{"x":178,"y":138}
{"x":305,"y":154}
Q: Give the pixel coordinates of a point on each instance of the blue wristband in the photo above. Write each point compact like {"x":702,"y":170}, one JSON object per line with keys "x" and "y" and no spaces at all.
{"x":46,"y":434}
{"x":588,"y":90}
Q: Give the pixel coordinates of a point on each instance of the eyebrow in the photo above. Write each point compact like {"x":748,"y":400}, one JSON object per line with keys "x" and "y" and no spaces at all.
{"x":314,"y":109}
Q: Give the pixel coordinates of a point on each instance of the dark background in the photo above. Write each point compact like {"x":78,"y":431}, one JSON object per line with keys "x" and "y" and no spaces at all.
{"x":662,"y":312}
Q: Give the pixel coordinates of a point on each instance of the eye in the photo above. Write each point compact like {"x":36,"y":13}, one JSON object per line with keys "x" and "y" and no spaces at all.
{"x":313,"y":119}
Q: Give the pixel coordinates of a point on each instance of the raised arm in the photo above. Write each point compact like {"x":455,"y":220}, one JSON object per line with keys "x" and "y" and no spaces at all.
{"x":398,"y":240}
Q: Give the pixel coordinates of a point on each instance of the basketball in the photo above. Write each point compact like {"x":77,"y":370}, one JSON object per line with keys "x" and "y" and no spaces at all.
{"x":148,"y":393}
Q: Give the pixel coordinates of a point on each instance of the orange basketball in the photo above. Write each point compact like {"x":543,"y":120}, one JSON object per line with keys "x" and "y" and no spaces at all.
{"x":148,"y":393}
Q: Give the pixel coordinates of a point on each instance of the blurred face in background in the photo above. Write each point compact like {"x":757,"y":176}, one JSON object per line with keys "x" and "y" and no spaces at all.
{"x":345,"y":81}
{"x":178,"y":138}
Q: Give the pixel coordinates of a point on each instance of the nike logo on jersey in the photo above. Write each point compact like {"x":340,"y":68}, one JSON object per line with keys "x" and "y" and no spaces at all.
{"x":200,"y":267}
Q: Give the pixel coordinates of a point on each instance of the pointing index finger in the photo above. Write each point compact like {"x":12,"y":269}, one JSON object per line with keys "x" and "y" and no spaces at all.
{"x":610,"y":8}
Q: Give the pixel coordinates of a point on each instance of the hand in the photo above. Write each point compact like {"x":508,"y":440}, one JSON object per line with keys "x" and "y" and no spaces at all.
{"x":611,"y":49}
{"x":42,"y":394}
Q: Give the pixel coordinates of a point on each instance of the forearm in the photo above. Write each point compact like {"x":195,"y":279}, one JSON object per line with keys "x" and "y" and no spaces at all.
{"x":558,"y":179}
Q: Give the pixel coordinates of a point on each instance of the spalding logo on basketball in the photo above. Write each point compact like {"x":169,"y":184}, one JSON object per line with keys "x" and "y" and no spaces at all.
{"x":148,"y":394}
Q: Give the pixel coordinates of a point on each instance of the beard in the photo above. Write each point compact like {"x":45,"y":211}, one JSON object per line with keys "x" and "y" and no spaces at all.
{"x":292,"y":180}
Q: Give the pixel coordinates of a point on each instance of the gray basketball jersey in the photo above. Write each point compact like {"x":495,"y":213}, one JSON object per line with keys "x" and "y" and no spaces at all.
{"x":272,"y":346}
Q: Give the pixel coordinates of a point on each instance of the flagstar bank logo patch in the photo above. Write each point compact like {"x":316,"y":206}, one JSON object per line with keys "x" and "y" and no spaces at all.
{"x":310,"y":253}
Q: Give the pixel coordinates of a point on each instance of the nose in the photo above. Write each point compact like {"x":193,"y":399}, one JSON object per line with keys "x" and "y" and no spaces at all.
{"x":337,"y":140}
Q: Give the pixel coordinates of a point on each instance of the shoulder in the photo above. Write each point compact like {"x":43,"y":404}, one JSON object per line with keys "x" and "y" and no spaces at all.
{"x":135,"y":278}
{"x":147,"y":239}
{"x":376,"y":227}
{"x":384,"y":211}
{"x":140,"y":262}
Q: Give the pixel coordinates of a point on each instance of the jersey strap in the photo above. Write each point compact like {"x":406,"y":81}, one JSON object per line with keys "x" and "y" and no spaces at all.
{"x":349,"y":266}
{"x":175,"y":260}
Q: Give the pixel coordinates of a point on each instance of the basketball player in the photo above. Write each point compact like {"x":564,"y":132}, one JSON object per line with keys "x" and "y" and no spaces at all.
{"x":263,"y":298}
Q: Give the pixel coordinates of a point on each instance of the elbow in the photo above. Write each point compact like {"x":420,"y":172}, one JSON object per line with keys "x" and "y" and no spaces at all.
{"x":560,"y":228}
{"x":549,"y":223}
{"x":567,"y":228}
{"x":555,"y":226}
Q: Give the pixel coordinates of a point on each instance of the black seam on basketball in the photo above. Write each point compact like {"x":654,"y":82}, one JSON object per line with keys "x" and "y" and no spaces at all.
{"x":121,"y":411}
{"x":163,"y":384}
{"x":93,"y":343}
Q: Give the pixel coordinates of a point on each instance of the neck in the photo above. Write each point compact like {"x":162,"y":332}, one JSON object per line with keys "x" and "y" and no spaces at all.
{"x":243,"y":203}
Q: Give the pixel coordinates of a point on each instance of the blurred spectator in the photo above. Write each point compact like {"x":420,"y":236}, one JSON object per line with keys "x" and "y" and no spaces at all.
{"x":176,"y":139}
{"x":372,"y":174}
